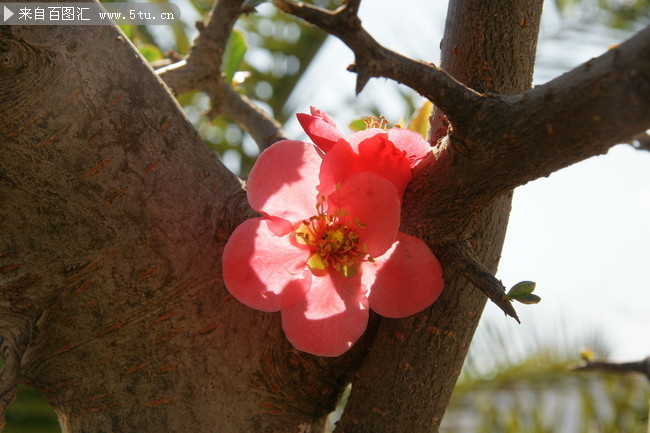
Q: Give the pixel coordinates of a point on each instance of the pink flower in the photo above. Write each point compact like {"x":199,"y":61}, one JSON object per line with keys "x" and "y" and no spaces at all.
{"x":321,"y":128}
{"x":390,"y":153}
{"x":327,"y":247}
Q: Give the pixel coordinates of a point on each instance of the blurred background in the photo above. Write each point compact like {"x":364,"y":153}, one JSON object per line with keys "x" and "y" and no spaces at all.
{"x":581,"y":234}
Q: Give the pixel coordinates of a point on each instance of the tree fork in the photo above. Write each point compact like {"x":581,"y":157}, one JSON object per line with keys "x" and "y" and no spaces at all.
{"x":113,"y":217}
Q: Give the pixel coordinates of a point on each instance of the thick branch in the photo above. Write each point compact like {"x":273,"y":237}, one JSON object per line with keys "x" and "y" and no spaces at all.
{"x":114,"y":216}
{"x":515,"y":139}
{"x":601,"y":103}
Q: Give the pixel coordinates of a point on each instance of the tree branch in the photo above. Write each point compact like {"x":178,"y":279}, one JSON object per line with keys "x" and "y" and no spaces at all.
{"x":642,"y":366}
{"x":264,"y":129}
{"x":352,"y":6}
{"x":462,"y":258}
{"x":515,"y":139}
{"x":408,"y":389}
{"x":202,"y":70}
{"x":203,"y":64}
{"x":582,"y":113}
{"x":501,"y":142}
{"x":373,"y":60}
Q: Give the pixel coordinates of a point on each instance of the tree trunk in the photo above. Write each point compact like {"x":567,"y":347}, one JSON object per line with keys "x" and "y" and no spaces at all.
{"x":407,"y":379}
{"x":113,"y":216}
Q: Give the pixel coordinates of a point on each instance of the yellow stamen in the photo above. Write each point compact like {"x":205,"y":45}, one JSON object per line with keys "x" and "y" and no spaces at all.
{"x":333,"y":240}
{"x":373,"y":122}
{"x":316,"y":262}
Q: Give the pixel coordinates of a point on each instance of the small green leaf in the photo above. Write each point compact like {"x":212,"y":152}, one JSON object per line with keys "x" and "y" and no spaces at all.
{"x":521,"y":289}
{"x":233,"y":55}
{"x":150,"y":52}
{"x":357,"y":125}
{"x":528,"y":299}
{"x":182,"y":42}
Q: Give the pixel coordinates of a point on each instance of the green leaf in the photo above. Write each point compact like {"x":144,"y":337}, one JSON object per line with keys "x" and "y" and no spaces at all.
{"x":182,"y":42}
{"x":520,"y":289}
{"x":357,"y":125}
{"x":233,"y":55}
{"x":150,"y":52}
{"x":528,"y":299}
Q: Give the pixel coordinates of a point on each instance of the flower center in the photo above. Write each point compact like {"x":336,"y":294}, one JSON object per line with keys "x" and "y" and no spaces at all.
{"x":381,"y":123}
{"x":333,"y":240}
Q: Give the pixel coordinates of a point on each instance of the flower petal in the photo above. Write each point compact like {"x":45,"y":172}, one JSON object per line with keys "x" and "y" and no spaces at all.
{"x":330,"y":318}
{"x":378,"y":155}
{"x":320,"y":127}
{"x":323,"y":115}
{"x":374,"y":202}
{"x":374,"y":154}
{"x":338,"y":165}
{"x":405,"y":280}
{"x":284,"y":179}
{"x":262,"y":270}
{"x":415,"y":148}
{"x":358,"y":137}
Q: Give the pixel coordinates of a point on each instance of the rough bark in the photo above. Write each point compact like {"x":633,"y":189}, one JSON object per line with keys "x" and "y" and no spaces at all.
{"x":407,"y":379}
{"x":113,"y":217}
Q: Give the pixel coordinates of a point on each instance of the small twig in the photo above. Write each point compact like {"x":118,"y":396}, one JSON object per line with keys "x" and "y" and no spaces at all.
{"x":462,"y":258}
{"x":203,"y":64}
{"x":202,"y":70}
{"x":264,"y":129}
{"x":642,"y":366}
{"x":641,"y":141}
